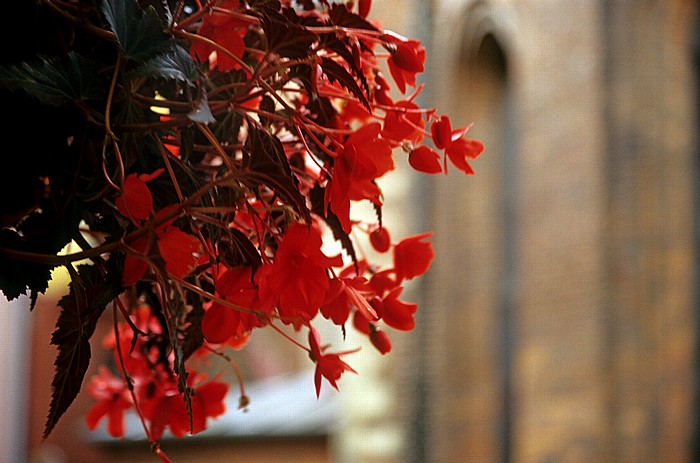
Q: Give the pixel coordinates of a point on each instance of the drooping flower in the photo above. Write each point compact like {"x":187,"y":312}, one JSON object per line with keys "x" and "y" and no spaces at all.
{"x":364,"y":158}
{"x":412,"y":256}
{"x":221,"y":322}
{"x":407,"y":59}
{"x":457,"y":148}
{"x":113,"y":400}
{"x":380,"y":239}
{"x":396,"y":313}
{"x":404,"y":122}
{"x":135,"y":201}
{"x":380,"y":340}
{"x":425,"y":159}
{"x":297,"y":281}
{"x":328,"y":366}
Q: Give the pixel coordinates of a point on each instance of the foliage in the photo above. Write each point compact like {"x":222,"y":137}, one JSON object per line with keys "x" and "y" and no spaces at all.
{"x":200,"y":154}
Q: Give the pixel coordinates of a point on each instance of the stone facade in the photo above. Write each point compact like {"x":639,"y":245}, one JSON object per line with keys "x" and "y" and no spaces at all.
{"x":557,"y":321}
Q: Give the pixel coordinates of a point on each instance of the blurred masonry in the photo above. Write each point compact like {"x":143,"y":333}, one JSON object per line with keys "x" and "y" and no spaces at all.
{"x":560,"y":321}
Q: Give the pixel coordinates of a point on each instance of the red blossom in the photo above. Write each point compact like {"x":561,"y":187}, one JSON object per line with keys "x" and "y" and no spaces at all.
{"x":406,"y":60}
{"x":441,"y":131}
{"x":365,"y":157}
{"x":168,"y":408}
{"x":412,"y":256}
{"x":297,"y":281}
{"x":221,"y":322}
{"x":404,"y":122}
{"x":380,"y":239}
{"x":424,"y":159}
{"x":113,"y":400}
{"x":398,"y":314}
{"x":135,"y":200}
{"x":380,"y":340}
{"x":462,"y":149}
{"x":225,"y":30}
{"x":328,"y":366}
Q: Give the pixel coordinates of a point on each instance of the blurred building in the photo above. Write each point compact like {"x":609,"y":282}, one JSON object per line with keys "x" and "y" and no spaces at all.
{"x":558,"y":323}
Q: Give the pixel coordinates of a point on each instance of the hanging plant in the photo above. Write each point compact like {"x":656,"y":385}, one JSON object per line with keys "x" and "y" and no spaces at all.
{"x":199,"y":153}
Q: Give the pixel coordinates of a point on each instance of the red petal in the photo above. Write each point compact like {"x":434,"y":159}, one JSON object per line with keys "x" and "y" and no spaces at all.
{"x":380,"y":239}
{"x":136,"y":200}
{"x":398,"y":314}
{"x":364,"y":7}
{"x":232,"y":42}
{"x":412,"y":256}
{"x":380,"y":340}
{"x":424,"y":159}
{"x":406,"y":58}
{"x":442,"y":132}
{"x":219,"y":323}
{"x":179,"y":250}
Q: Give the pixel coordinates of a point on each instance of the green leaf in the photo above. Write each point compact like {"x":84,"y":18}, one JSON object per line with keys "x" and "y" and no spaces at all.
{"x":90,"y":292}
{"x":139,"y":31}
{"x":54,"y":82}
{"x":176,"y":64}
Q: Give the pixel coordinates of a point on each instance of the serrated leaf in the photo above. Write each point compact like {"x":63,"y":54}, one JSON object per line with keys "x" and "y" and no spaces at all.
{"x":337,"y":73}
{"x":268,"y":165}
{"x":285,"y":38}
{"x":139,"y":31}
{"x":176,"y":64}
{"x":80,"y":311}
{"x":317,"y":207}
{"x":54,"y":82}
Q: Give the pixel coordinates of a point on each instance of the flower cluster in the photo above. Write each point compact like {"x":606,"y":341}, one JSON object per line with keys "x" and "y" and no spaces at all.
{"x":223,"y":143}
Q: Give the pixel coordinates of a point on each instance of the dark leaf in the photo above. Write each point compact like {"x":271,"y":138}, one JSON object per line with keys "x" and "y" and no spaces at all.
{"x":317,"y":195}
{"x":286,"y":38}
{"x":201,"y":112}
{"x":80,"y":310}
{"x":54,"y":82}
{"x":16,"y":276}
{"x":176,"y":64}
{"x":340,"y":16}
{"x":139,"y":31}
{"x":337,"y":73}
{"x":235,"y":249}
{"x":269,"y":166}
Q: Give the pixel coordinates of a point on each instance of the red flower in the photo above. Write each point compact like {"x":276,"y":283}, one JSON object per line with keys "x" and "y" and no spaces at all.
{"x":168,"y":408}
{"x":297,"y":281}
{"x":462,"y":149}
{"x":457,"y":148}
{"x":404,"y":123}
{"x":406,"y":60}
{"x":180,"y":252}
{"x":328,"y":366}
{"x":113,"y":399}
{"x":424,"y":159}
{"x":398,"y":314}
{"x":380,"y":239}
{"x":364,"y":7}
{"x":412,"y":256}
{"x":364,"y":158}
{"x":380,"y":340}
{"x":135,"y":200}
{"x":221,"y":322}
{"x":225,"y":30}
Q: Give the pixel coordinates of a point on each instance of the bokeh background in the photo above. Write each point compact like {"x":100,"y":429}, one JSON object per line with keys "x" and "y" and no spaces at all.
{"x":559,"y":322}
